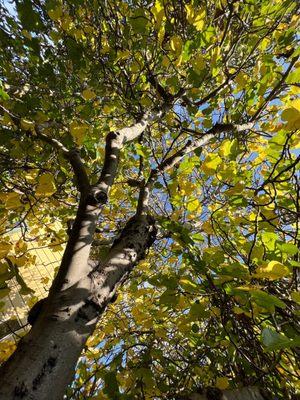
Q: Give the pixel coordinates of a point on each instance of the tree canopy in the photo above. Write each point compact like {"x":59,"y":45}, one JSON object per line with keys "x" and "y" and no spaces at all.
{"x":212,"y":88}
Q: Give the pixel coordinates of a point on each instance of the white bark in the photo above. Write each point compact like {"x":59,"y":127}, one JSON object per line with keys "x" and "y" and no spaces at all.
{"x":44,"y":362}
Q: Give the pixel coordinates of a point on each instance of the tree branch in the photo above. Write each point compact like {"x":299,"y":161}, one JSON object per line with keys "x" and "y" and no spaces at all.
{"x":273,"y":92}
{"x":245,"y":393}
{"x":82,"y":178}
{"x":73,"y":155}
{"x":115,"y":141}
{"x":178,"y":155}
{"x":274,"y":179}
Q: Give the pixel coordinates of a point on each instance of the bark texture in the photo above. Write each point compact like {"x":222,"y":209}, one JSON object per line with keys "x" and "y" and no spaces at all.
{"x":44,"y":362}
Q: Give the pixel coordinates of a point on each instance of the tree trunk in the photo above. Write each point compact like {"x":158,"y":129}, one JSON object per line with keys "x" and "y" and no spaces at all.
{"x":45,"y":359}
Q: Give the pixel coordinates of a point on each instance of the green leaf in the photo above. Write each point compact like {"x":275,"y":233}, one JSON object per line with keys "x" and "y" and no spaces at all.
{"x":197,"y":237}
{"x":265,"y":300}
{"x":111,"y":387}
{"x":168,"y":298}
{"x":269,"y":239}
{"x":3,"y":94}
{"x":30,"y":19}
{"x":294,"y":77}
{"x":296,"y":297}
{"x":4,"y":291}
{"x":236,"y":270}
{"x":197,"y":311}
{"x":288,"y":248}
{"x":273,"y":340}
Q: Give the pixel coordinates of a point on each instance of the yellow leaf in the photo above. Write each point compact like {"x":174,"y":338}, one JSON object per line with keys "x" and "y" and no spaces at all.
{"x":135,"y":67}
{"x":264,"y":43}
{"x":190,"y":13}
{"x":46,"y":185}
{"x":26,"y":124}
{"x":78,"y":34}
{"x":199,"y":63}
{"x":193,"y":205}
{"x":107,"y":109}
{"x":241,"y":80}
{"x":122,"y":55}
{"x":273,"y":270}
{"x":158,"y":12}
{"x":195,"y":16}
{"x":26,"y":34}
{"x":238,"y":310}
{"x":6,"y":120}
{"x":88,"y":94}
{"x":294,"y":90}
{"x":20,"y":246}
{"x":296,"y":297}
{"x":4,"y":292}
{"x":138,"y":315}
{"x":199,"y":19}
{"x":186,"y":187}
{"x":215,"y":311}
{"x":187,"y":284}
{"x":66,"y":22}
{"x":78,"y":131}
{"x":292,"y":114}
{"x":40,"y":117}
{"x":211,"y":163}
{"x":222,"y":383}
{"x":226,"y":147}
{"x":12,"y":200}
{"x":31,"y":175}
{"x":55,"y":13}
{"x":7,"y":347}
{"x":207,"y":228}
{"x":236,"y":189}
{"x":4,"y":248}
{"x":176,"y":44}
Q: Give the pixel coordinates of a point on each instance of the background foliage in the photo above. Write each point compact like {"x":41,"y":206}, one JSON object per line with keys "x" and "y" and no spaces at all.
{"x":215,"y":301}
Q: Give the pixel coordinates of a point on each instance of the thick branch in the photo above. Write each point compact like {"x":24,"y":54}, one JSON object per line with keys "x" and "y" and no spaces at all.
{"x":82,"y":178}
{"x":143,"y":200}
{"x":114,"y":143}
{"x":73,"y":156}
{"x":192,"y":145}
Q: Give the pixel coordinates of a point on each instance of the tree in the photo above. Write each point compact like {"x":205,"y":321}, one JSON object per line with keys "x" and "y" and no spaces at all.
{"x":162,"y":136}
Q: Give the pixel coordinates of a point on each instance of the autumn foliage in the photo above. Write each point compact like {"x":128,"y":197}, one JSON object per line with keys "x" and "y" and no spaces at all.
{"x":214,"y":301}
